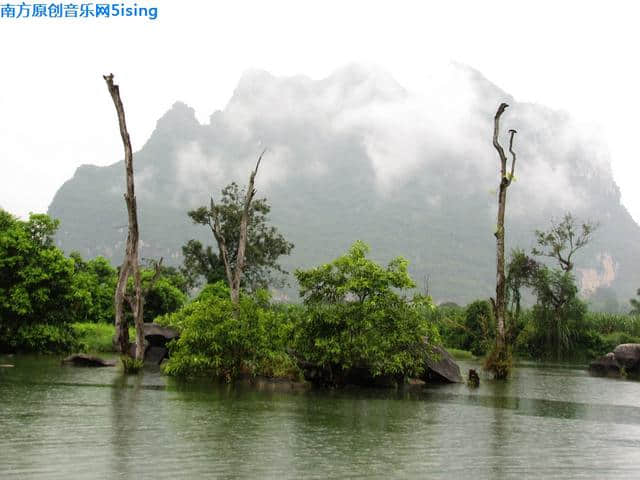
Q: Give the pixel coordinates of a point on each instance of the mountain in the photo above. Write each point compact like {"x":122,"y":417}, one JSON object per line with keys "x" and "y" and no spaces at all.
{"x":357,"y":156}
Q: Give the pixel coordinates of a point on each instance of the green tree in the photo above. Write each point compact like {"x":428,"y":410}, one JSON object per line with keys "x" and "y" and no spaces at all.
{"x":94,"y":284}
{"x":264,"y":243}
{"x":35,"y":277}
{"x":356,"y":319}
{"x":563,"y":240}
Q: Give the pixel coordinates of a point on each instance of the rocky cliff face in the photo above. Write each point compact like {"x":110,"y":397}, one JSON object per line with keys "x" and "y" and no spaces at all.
{"x":356,"y":156}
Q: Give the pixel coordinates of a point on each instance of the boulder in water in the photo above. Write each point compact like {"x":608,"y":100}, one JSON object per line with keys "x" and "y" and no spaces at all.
{"x":628,"y":356}
{"x":83,"y":360}
{"x":155,"y":355}
{"x":441,"y":367}
{"x":605,"y":365}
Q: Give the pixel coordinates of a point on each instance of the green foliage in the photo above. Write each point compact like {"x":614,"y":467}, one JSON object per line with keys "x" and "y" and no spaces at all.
{"x":466,"y":329}
{"x":563,"y":239}
{"x":478,"y":322}
{"x":499,"y":362}
{"x":612,"y":340}
{"x":449,"y":319}
{"x":166,"y":295}
{"x":354,"y":318}
{"x":130,"y":365}
{"x":94,"y":337}
{"x":35,"y":277}
{"x":43,"y":338}
{"x":353,"y":277}
{"x":606,"y":323}
{"x":93,"y":288}
{"x":217,"y":342}
{"x":461,"y":354}
{"x":264,"y":243}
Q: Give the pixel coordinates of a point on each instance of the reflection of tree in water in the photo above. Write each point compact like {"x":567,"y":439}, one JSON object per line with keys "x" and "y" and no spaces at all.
{"x":371,"y":432}
{"x":126,"y":421}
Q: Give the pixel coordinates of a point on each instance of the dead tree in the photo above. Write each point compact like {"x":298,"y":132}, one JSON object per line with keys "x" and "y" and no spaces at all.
{"x":499,"y":304}
{"x":234,"y":273}
{"x":130,"y":264}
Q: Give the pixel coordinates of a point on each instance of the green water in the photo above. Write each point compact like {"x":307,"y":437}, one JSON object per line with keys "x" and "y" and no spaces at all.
{"x":547,"y":422}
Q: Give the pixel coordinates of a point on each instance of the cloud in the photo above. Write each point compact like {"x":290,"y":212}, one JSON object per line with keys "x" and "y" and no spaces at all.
{"x":443,"y":135}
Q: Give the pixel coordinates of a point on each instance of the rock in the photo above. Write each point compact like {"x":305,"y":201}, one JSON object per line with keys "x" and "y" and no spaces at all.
{"x":606,"y":365}
{"x":83,"y":360}
{"x":628,"y":356}
{"x":157,"y":335}
{"x":155,"y":355}
{"x":441,"y":367}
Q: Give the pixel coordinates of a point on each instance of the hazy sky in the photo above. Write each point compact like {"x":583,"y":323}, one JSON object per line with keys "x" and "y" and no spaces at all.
{"x":56,"y":114}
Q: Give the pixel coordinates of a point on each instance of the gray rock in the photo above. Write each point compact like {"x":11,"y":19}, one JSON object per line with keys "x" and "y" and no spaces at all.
{"x":605,"y":365}
{"x":155,"y":355}
{"x":157,"y":335}
{"x":628,"y":356}
{"x":441,"y":367}
{"x":83,"y":360}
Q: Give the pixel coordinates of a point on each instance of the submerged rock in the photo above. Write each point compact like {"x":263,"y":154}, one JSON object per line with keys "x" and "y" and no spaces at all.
{"x":605,"y":365}
{"x":624,"y":359}
{"x":628,"y":356}
{"x":83,"y":360}
{"x":155,"y":355}
{"x":441,"y":367}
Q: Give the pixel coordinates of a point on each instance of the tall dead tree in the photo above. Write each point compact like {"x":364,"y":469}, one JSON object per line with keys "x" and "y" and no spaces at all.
{"x":130,"y":264}
{"x":499,"y":304}
{"x":234,"y":272}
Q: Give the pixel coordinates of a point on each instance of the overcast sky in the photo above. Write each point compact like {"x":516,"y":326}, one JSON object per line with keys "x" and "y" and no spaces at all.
{"x":56,"y":114}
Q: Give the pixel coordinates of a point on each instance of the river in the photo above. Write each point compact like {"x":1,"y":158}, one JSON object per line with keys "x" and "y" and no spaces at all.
{"x":548,"y":421}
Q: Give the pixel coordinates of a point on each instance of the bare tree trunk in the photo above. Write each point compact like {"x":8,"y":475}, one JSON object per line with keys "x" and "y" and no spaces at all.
{"x":242,"y":242}
{"x":130,"y":263}
{"x":505,"y":180}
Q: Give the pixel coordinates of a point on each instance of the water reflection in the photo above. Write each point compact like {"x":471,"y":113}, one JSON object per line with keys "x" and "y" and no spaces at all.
{"x":549,"y":421}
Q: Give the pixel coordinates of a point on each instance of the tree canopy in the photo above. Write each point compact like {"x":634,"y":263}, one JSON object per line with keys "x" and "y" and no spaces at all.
{"x":264,"y":243}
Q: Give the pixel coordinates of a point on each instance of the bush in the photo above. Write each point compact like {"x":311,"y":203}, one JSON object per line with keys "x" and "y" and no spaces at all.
{"x":218,"y":342}
{"x":478,"y":321}
{"x":385,"y":337}
{"x":94,"y":337}
{"x":43,"y":338}
{"x":606,"y":323}
{"x":613,"y":339}
{"x":355,"y":319}
{"x":449,"y":320}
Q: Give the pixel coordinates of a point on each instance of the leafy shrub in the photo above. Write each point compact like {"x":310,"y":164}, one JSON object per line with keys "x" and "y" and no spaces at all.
{"x":131,"y":365}
{"x":606,"y":323}
{"x":449,"y":320}
{"x":43,"y":338}
{"x":96,"y":337}
{"x":478,"y":322}
{"x":217,"y":341}
{"x":613,"y":339}
{"x":384,"y":337}
{"x":354,"y":318}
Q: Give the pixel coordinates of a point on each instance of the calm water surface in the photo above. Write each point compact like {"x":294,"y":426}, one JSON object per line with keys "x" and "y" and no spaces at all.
{"x":547,"y":422}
